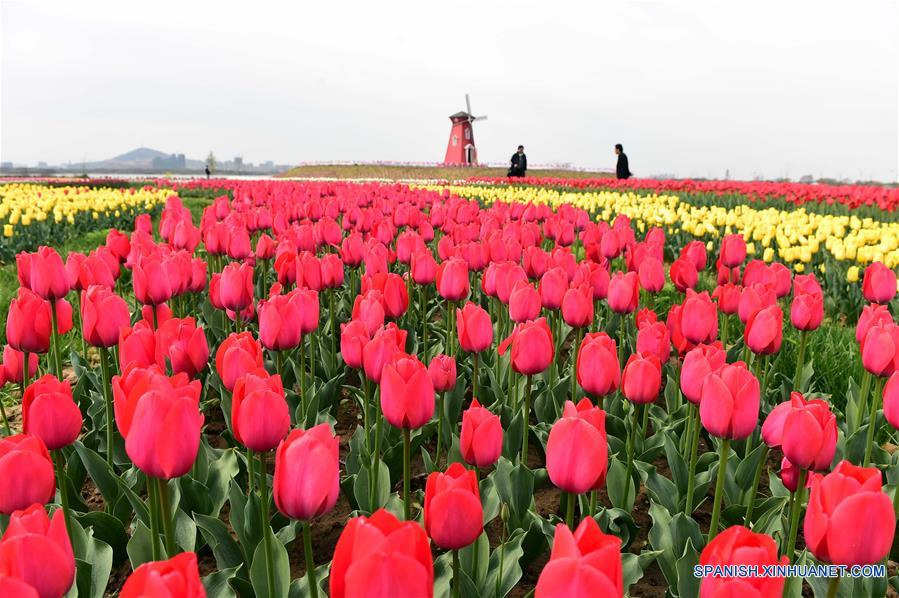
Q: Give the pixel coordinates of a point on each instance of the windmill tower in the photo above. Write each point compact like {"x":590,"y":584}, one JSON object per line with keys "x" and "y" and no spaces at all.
{"x":461,"y":150}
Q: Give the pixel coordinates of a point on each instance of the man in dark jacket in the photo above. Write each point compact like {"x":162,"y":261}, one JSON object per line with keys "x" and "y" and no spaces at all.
{"x":622,"y":170}
{"x":519,"y":163}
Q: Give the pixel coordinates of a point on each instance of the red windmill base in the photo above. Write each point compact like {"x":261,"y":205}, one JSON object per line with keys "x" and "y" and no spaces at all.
{"x":461,"y":150}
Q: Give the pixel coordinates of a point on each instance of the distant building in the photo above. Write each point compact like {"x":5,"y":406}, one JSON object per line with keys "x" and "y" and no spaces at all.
{"x":172,"y":162}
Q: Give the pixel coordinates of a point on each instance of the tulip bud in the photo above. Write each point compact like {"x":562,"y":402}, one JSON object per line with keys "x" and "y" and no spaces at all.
{"x":179,"y":576}
{"x":738,"y":545}
{"x":259,"y":414}
{"x":407,"y":393}
{"x":26,"y":471}
{"x":49,"y":412}
{"x":36,"y":550}
{"x":597,"y":367}
{"x":103,"y":315}
{"x":453,"y":515}
{"x":577,"y":451}
{"x":481,"y":439}
{"x":442,"y":371}
{"x":729,"y":407}
{"x":474,"y":328}
{"x":588,"y":554}
{"x":307,"y":473}
{"x":532,"y":347}
{"x":642,"y":378}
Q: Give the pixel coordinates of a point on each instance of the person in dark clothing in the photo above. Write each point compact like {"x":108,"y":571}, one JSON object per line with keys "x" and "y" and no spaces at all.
{"x":519,"y":163}
{"x":207,"y":171}
{"x":622,"y":170}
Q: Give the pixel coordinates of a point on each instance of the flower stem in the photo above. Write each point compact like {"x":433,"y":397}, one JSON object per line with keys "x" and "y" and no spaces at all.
{"x":578,"y":335}
{"x":60,"y":467}
{"x":800,"y":359}
{"x":334,"y":332}
{"x":456,"y":569}
{"x":376,"y":457}
{"x":302,"y":366}
{"x":794,"y":513}
{"x":526,"y":414}
{"x":872,"y":425}
{"x":755,"y":486}
{"x":154,"y":518}
{"x":439,"y":428}
{"x":310,"y":561}
{"x":107,"y":400}
{"x":569,"y":513}
{"x":165,"y":513}
{"x":862,"y":399}
{"x":474,"y":378}
{"x":54,"y":335}
{"x":407,"y":472}
{"x":719,"y":486}
{"x":630,"y":454}
{"x":266,"y":527}
{"x":694,"y":445}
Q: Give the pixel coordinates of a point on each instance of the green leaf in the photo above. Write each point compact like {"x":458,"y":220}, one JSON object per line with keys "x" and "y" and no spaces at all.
{"x":227,"y":552}
{"x":140,"y":550}
{"x":281,"y":570}
{"x":634,"y":565}
{"x":509,"y":554}
{"x":615,"y":484}
{"x":299,"y":588}
{"x":687,"y":582}
{"x":108,"y":529}
{"x":216,"y":583}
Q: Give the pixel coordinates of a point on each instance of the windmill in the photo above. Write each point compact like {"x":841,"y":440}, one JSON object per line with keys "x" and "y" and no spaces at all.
{"x":461,"y":150}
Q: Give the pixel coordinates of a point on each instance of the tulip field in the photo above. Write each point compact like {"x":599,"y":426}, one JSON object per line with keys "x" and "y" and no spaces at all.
{"x":552,"y":388}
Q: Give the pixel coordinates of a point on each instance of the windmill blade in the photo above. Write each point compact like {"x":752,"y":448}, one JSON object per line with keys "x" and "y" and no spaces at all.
{"x":479,"y":117}
{"x":467,"y":104}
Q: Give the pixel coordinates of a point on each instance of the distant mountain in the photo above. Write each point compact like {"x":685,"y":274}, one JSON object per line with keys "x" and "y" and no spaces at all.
{"x":140,"y":154}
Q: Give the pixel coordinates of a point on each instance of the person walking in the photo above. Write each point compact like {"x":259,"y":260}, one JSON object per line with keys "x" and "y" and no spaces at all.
{"x":207,"y":171}
{"x":519,"y":163}
{"x":622,"y":169}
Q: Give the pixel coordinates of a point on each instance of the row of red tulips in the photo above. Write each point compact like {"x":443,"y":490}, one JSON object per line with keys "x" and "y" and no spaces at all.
{"x":154,"y":393}
{"x":852,"y":196}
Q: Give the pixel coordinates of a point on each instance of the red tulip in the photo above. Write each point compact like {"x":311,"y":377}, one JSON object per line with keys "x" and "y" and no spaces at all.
{"x":880,"y":349}
{"x":153,"y":279}
{"x":552,"y":287}
{"x":442,"y":371}
{"x":807,"y":311}
{"x":584,"y":564}
{"x":259,"y":414}
{"x":695,"y":252}
{"x":624,"y":292}
{"x":44,"y":273}
{"x":642,"y":378}
{"x":699,"y":318}
{"x":137,"y":345}
{"x":14,"y":365}
{"x":891,"y":400}
{"x":577,"y":452}
{"x":332,"y":271}
{"x":452,"y":279}
{"x":729,"y":407}
{"x":16,"y":588}
{"x":598,"y":369}
{"x":236,"y":286}
{"x":284,"y":319}
{"x":535,"y":261}
{"x":764,"y":330}
{"x":805,"y":429}
{"x":645,"y":316}
{"x":524,"y":302}
{"x":508,"y":275}
{"x":237,"y":355}
{"x":119,"y":244}
{"x":382,"y":557}
{"x":849,"y":519}
{"x":738,"y":545}
{"x":577,"y":306}
{"x":683,"y":274}
{"x":162,"y":434}
{"x":532,"y":347}
{"x":26,"y":471}
{"x":733,"y":250}
{"x":782,"y":279}
{"x":177,"y":577}
{"x":481,"y":439}
{"x":377,"y":352}
{"x":407,"y":393}
{"x":368,"y":308}
{"x":474,"y":328}
{"x":49,"y":412}
{"x":424,"y":267}
{"x":651,"y":273}
{"x":872,"y":315}
{"x":654,"y":338}
{"x":728,"y":298}
{"x":182,"y":344}
{"x":879,"y":283}
{"x":307,"y":473}
{"x":699,"y":363}
{"x":353,"y":338}
{"x":753,"y":299}
{"x":103,"y":315}
{"x":394,"y":296}
{"x":265,"y":248}
{"x":36,"y":550}
{"x":28,"y":322}
{"x":453,"y":515}
{"x":596,"y":275}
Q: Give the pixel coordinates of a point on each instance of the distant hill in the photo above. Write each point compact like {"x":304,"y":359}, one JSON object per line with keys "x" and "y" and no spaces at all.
{"x":139,"y":155}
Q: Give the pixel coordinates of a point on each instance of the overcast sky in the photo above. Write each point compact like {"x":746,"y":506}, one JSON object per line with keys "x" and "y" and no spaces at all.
{"x":691,"y":88}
